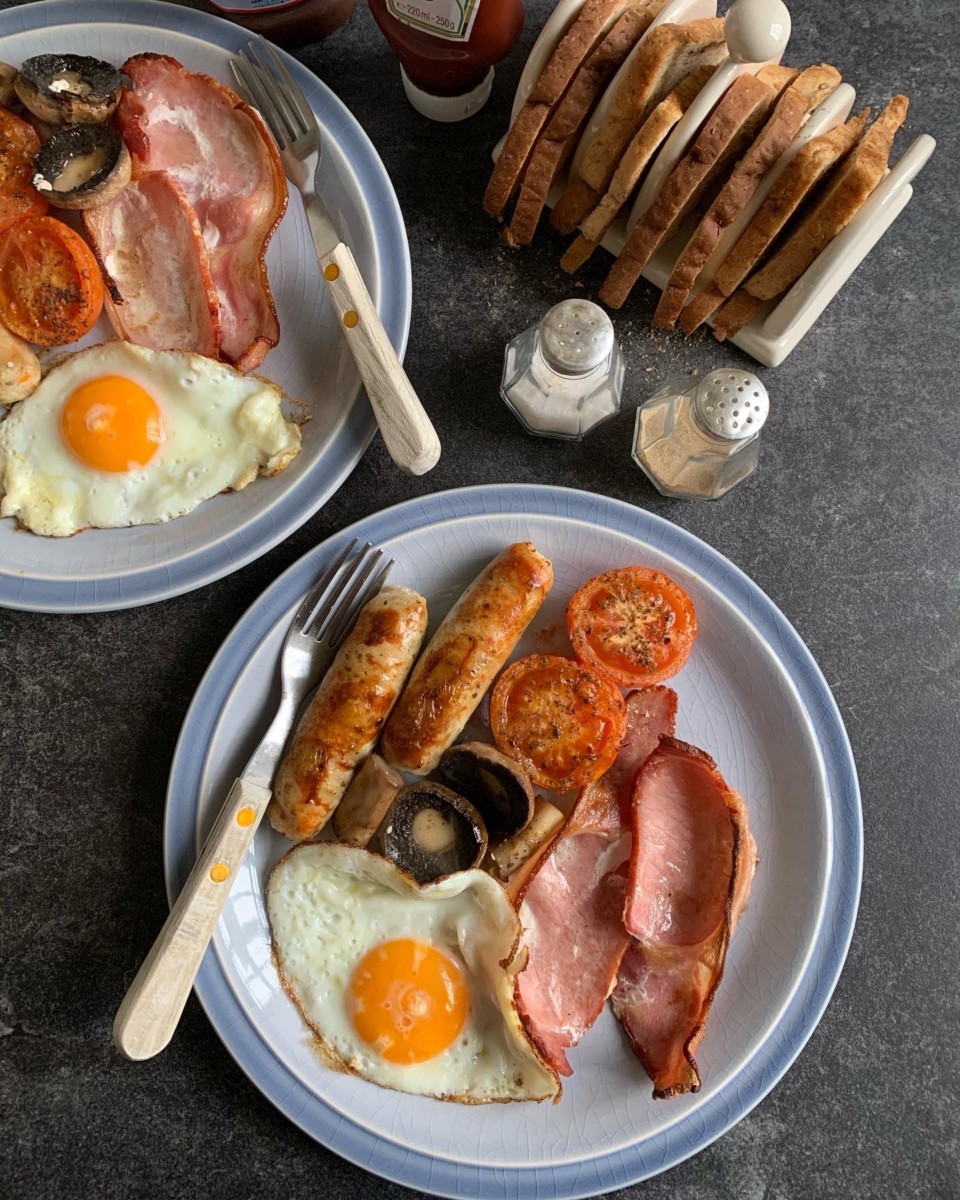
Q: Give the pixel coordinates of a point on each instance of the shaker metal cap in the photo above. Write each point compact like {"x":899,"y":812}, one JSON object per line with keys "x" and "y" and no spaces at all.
{"x":576,"y":336}
{"x":731,"y":404}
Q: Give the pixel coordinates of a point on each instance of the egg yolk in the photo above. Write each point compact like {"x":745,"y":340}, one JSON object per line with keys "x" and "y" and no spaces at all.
{"x":407,"y":1000}
{"x":112,"y":424}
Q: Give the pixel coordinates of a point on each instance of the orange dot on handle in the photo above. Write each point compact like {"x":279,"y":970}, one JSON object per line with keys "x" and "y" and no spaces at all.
{"x":219,"y":872}
{"x":331,"y":271}
{"x":245,"y":817}
{"x":351,"y":318}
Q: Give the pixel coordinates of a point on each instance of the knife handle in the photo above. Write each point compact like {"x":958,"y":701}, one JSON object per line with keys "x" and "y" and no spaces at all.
{"x":150,"y":1010}
{"x":407,"y":431}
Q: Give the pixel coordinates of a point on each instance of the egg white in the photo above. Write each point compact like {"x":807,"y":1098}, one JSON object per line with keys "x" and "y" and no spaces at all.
{"x":330,"y":904}
{"x":221,"y":430}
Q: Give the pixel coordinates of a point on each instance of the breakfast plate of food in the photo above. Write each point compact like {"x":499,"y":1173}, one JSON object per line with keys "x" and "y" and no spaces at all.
{"x":585,"y":902}
{"x":177,"y":396}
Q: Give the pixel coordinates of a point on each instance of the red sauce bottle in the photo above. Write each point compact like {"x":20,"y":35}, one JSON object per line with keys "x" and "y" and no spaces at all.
{"x":286,"y":22}
{"x":447,"y":49}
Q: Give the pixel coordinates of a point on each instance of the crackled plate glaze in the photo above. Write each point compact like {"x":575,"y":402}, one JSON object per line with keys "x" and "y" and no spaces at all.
{"x":750,"y":694}
{"x":121,"y":568}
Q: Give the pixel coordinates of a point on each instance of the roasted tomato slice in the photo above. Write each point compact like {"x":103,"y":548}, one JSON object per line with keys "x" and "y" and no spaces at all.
{"x":634,"y":623}
{"x":51,"y":292}
{"x":561,"y":720}
{"x":18,"y":147}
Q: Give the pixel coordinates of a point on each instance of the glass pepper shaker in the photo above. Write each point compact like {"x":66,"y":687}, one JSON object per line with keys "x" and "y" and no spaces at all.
{"x":564,"y":376}
{"x":697,"y":440}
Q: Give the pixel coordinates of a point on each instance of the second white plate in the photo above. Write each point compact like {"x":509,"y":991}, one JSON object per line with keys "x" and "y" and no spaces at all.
{"x":120,"y":568}
{"x":750,"y":694}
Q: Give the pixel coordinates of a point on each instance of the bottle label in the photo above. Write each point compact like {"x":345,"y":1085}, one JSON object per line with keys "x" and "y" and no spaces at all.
{"x":451,"y":19}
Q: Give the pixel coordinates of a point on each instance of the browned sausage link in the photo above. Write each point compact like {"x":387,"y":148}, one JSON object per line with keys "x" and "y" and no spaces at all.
{"x":343,"y":722}
{"x":472,"y":643}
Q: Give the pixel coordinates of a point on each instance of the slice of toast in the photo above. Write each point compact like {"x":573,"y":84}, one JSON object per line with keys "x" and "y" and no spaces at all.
{"x":636,"y":158}
{"x":803,"y":95}
{"x":556,"y":144}
{"x":841,"y":202}
{"x":704,"y":304}
{"x":667,"y":55}
{"x":738,"y":310}
{"x":728,"y":130}
{"x":809,"y":167}
{"x":589,"y":28}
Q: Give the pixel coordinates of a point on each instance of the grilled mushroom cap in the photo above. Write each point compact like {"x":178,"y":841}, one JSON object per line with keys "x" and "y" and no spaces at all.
{"x":65,"y":88}
{"x":81,"y":166}
{"x":499,"y":788}
{"x":431,"y":831}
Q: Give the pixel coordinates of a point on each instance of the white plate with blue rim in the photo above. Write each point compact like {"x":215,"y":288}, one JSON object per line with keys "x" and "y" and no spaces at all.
{"x":120,"y":568}
{"x":750,"y":694}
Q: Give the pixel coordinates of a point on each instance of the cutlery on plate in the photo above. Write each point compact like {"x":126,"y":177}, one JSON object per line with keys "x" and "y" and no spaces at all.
{"x":407,"y":431}
{"x":150,"y":1010}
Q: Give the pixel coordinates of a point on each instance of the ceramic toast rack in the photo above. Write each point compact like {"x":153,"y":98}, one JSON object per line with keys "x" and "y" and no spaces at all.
{"x":757,"y":31}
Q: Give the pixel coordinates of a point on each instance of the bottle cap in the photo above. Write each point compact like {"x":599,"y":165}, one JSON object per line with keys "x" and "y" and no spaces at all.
{"x":576,"y":336}
{"x":731,"y":404}
{"x":448,"y":108}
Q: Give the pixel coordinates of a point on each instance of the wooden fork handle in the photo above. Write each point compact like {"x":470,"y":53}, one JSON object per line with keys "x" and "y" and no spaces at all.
{"x":150,"y":1010}
{"x":407,"y":431}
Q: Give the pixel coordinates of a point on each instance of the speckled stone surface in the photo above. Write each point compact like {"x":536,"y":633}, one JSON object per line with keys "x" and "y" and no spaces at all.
{"x":851,"y":525}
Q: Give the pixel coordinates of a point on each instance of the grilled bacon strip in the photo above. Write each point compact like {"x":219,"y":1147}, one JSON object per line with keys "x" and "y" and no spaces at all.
{"x":222,"y":156}
{"x":150,"y":249}
{"x":691,"y":867}
{"x":572,"y":904}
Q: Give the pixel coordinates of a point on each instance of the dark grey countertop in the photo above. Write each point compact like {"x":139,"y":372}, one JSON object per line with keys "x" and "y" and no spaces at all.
{"x":851,"y":526}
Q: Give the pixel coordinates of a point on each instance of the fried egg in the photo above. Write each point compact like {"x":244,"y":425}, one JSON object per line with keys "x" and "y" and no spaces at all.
{"x":409,"y":987}
{"x":119,"y":435}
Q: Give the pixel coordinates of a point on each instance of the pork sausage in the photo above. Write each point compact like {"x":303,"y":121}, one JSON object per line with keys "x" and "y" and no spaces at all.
{"x":341,"y":725}
{"x":472,"y":643}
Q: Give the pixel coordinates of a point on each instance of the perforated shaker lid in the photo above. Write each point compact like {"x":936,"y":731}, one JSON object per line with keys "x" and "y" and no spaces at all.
{"x":576,"y":336}
{"x":731,"y":404}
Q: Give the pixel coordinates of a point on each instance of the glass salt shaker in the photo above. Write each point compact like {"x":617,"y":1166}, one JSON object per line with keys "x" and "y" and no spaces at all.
{"x":697,"y":440}
{"x":564,"y":376}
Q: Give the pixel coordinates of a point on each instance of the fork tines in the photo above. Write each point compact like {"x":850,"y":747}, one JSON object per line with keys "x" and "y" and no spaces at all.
{"x":347,"y":585}
{"x":260,"y":72}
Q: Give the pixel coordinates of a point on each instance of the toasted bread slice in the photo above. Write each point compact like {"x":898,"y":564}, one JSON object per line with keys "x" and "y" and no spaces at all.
{"x":589,"y":28}
{"x":730,"y":127}
{"x":803,"y":95}
{"x":577,"y":200}
{"x":667,"y":55}
{"x":848,"y":190}
{"x":704,"y":304}
{"x":637,"y":157}
{"x":556,"y":144}
{"x":737,"y":312}
{"x":811,"y":165}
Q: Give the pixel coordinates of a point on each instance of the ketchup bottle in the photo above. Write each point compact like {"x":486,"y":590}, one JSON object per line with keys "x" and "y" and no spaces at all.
{"x":286,"y":22}
{"x":447,"y":49}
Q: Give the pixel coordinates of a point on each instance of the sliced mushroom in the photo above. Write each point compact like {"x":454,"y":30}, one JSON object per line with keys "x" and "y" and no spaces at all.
{"x":495,"y":785}
{"x":431,"y":831}
{"x":81,"y":166}
{"x":7,"y":75}
{"x":67,"y":88}
{"x":366,"y":802}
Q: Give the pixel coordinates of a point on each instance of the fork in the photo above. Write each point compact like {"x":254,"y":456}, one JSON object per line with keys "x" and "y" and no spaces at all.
{"x":151,"y":1008}
{"x":407,"y":432}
